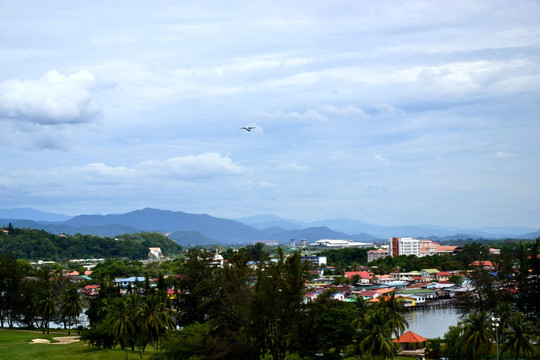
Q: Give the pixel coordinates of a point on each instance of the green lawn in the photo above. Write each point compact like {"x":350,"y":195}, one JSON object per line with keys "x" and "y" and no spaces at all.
{"x":15,"y":344}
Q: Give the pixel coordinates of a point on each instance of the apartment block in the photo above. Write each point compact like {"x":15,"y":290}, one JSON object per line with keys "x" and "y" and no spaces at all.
{"x":403,"y":246}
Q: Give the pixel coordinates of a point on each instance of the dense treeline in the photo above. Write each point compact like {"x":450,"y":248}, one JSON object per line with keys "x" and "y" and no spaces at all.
{"x":236,"y":312}
{"x":37,"y":300}
{"x":204,"y":311}
{"x":32,"y":244}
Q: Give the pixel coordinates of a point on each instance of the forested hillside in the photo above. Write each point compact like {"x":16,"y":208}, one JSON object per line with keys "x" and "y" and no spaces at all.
{"x":32,"y":244}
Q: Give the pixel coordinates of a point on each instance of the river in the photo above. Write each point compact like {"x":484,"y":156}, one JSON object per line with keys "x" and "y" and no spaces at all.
{"x":432,"y":322}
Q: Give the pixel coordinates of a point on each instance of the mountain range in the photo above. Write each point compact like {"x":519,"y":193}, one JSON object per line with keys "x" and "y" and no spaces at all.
{"x":202,"y":229}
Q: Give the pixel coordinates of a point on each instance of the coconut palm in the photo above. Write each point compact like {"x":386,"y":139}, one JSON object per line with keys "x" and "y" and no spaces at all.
{"x":478,"y":336}
{"x":122,"y":325}
{"x":376,"y":335}
{"x":154,"y":318}
{"x":46,"y":308}
{"x":393,"y":306}
{"x":361,"y":312}
{"x":518,"y":337}
{"x":71,"y":305}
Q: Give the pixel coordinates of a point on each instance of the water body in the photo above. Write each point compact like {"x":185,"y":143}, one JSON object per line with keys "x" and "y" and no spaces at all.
{"x":433,"y":322}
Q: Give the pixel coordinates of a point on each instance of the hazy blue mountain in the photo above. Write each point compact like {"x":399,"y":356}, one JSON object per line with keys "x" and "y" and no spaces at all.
{"x":202,"y":229}
{"x":221,"y":230}
{"x":532,"y":235}
{"x":274,"y":230}
{"x":313,"y":234}
{"x":31,"y":214}
{"x":263,"y":222}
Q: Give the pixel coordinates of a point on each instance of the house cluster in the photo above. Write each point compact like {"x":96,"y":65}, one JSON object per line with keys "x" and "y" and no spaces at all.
{"x":416,"y":288}
{"x":124,"y":284}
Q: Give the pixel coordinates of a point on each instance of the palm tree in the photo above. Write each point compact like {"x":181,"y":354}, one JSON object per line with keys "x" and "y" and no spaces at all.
{"x":376,"y":336}
{"x":478,"y":335}
{"x":155,"y":318}
{"x":393,"y":306}
{"x":361,"y":312}
{"x":519,"y":337}
{"x":46,"y":308}
{"x":121,"y":322}
{"x":71,"y":305}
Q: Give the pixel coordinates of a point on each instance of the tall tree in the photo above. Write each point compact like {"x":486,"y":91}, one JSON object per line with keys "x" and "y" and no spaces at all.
{"x":375,"y":336}
{"x":393,"y":307}
{"x":155,"y":318}
{"x":232,"y":326}
{"x":47,"y":308}
{"x":121,"y":322}
{"x":278,"y":298}
{"x":11,"y":277}
{"x":478,"y":336}
{"x":519,"y":337}
{"x":71,"y":305}
{"x":198,"y":286}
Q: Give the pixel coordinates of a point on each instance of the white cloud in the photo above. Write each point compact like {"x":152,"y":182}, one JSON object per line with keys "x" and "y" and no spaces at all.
{"x":503,"y":155}
{"x":389,"y":109}
{"x":348,"y":110}
{"x":296,"y":167}
{"x":53,"y":99}
{"x":192,"y":166}
{"x":309,"y":115}
{"x":266,"y":184}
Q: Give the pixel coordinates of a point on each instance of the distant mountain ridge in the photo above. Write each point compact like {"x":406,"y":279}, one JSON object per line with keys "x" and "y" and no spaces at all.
{"x":202,"y":229}
{"x":31,"y":214}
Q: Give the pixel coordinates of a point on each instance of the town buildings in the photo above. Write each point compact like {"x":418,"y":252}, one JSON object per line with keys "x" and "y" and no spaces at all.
{"x":410,"y":246}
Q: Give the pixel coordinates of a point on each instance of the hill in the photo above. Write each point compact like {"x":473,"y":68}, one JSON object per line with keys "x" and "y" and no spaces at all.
{"x":202,"y":229}
{"x":33,"y":244}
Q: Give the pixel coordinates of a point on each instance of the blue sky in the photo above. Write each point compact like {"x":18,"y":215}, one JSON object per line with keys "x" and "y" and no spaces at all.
{"x":389,"y":112}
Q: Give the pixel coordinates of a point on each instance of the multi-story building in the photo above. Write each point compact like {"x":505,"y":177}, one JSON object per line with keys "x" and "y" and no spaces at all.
{"x":376,"y":254}
{"x":315,"y":260}
{"x":403,"y":246}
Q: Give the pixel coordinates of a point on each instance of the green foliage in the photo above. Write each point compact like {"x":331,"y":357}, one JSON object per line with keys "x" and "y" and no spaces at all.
{"x":346,"y":257}
{"x":193,"y":342}
{"x":198,"y":284}
{"x":519,"y":337}
{"x":434,"y":348}
{"x":71,"y":305}
{"x":35,"y":244}
{"x":478,"y":335}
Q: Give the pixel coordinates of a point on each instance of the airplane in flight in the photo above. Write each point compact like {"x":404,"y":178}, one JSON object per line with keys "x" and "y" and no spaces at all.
{"x":248,"y":128}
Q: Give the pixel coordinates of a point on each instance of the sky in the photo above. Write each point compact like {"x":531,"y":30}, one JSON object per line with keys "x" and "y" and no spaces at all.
{"x":388,"y":112}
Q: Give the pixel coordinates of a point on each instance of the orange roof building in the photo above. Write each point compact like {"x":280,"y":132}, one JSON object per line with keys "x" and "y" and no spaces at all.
{"x":410,"y":337}
{"x":410,"y":340}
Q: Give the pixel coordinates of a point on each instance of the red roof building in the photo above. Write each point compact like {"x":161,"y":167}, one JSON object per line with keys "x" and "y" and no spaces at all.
{"x":363,"y":276}
{"x":411,"y":341}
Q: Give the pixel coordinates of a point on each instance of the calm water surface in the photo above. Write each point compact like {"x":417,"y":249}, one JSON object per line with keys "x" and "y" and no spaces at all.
{"x":431,"y":323}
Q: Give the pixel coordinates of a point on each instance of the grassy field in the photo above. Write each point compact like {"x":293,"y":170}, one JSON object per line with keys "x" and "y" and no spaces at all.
{"x":16,"y":345}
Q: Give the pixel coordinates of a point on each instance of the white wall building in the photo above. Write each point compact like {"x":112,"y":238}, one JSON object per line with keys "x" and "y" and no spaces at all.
{"x":315,"y":260}
{"x":403,"y":246}
{"x":338,"y":243}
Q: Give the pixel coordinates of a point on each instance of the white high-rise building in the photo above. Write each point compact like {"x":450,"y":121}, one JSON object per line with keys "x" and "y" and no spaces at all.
{"x":403,"y":246}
